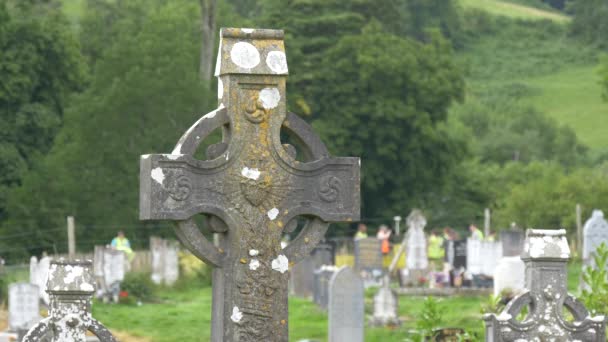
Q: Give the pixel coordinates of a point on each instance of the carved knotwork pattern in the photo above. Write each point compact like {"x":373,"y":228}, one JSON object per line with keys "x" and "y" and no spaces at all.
{"x":330,"y":188}
{"x":254,"y":110}
{"x":180,"y":188}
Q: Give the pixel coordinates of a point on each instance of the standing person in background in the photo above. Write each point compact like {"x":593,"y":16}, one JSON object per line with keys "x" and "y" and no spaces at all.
{"x":121,"y":243}
{"x":383,"y":235}
{"x":476,"y":234}
{"x":361,"y":231}
{"x":436,"y":251}
{"x":491,"y":237}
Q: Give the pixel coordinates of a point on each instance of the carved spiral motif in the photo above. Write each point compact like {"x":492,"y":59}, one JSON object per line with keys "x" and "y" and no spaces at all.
{"x":330,"y":188}
{"x":181,"y":188}
{"x":255,"y":111}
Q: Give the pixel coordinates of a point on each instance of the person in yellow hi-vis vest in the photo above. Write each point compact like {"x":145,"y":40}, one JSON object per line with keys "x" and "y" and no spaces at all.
{"x":436,"y":251}
{"x":121,"y":243}
{"x":476,"y":234}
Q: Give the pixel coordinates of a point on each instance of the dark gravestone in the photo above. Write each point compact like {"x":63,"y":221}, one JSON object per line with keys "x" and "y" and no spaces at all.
{"x":368,"y":254}
{"x":346,"y":307}
{"x":512,"y":242}
{"x":253,"y":186}
{"x":546,"y":256}
{"x":302,"y":275}
{"x":456,"y":257}
{"x":321,"y":285}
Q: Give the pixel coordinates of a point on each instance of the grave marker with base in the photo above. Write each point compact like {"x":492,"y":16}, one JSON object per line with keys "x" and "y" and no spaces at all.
{"x":23,"y":307}
{"x":253,"y":185}
{"x":71,"y":286}
{"x":346,"y":306}
{"x":546,"y":254}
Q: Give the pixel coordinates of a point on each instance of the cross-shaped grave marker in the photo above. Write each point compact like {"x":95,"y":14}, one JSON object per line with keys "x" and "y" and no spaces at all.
{"x":252,"y":187}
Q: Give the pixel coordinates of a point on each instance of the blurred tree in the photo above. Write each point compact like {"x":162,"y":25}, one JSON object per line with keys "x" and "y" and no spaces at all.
{"x":40,"y":65}
{"x":207,"y":20}
{"x":144,"y":93}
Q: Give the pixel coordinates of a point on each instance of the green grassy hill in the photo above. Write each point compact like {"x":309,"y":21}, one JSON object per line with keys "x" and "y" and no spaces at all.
{"x":513,"y":10}
{"x":554,"y":73}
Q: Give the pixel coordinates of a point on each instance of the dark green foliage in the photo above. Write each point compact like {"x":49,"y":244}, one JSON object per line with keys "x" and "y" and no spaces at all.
{"x":40,"y":65}
{"x":384,"y":98}
{"x":595,"y":297}
{"x":589,"y":20}
{"x":145,"y":93}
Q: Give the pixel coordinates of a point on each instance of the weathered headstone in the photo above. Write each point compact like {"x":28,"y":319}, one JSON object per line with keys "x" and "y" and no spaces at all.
{"x":165,"y":261}
{"x":346,"y":307}
{"x":456,"y":258}
{"x":595,"y":232}
{"x":301,"y":278}
{"x":71,"y":286}
{"x":368,"y":254}
{"x":386,"y":306}
{"x":322,"y":276}
{"x":546,"y":254}
{"x":416,"y":242}
{"x":23,"y":307}
{"x":482,"y":259}
{"x":510,"y":271}
{"x":254,"y":185}
{"x":39,"y":272}
{"x":369,"y":261}
{"x":113,"y":273}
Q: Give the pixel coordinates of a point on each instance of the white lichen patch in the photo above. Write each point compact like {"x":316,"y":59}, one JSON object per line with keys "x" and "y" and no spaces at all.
{"x":277,"y":62}
{"x":237,"y":315}
{"x":254,"y":264}
{"x":273,"y":213}
{"x":87,"y":287}
{"x":504,"y":316}
{"x":254,"y":252}
{"x":250,"y":173}
{"x":270,"y":97}
{"x":280,"y":264}
{"x":245,"y":55}
{"x":218,"y":61}
{"x":145,"y":156}
{"x":72,"y":273}
{"x":173,"y":156}
{"x":158,"y":175}
{"x":247,"y":30}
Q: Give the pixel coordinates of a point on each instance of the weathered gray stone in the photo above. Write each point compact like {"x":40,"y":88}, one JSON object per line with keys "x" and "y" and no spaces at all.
{"x":302,"y":275}
{"x":595,"y":232}
{"x":416,"y":258}
{"x":368,"y":254}
{"x":322,"y":276}
{"x":23,"y":306}
{"x":253,"y":186}
{"x":71,"y":286}
{"x":546,"y":254}
{"x":512,"y":242}
{"x":346,"y":306}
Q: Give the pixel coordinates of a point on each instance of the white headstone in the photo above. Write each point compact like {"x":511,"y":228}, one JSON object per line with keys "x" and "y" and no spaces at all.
{"x":416,"y":257}
{"x":509,"y":274}
{"x":386,"y":306}
{"x":157,"y":250}
{"x":346,"y":306}
{"x":171,"y":269}
{"x":113,"y":266}
{"x":595,"y":232}
{"x":483,"y":256}
{"x":39,"y":273}
{"x":23,"y":306}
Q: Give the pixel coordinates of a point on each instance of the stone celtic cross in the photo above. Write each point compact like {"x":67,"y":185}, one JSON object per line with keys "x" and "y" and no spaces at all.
{"x":546,"y":254}
{"x":252,"y":187}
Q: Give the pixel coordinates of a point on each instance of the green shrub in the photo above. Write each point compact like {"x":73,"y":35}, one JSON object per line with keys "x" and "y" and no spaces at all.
{"x":139,"y":286}
{"x":595,"y":296}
